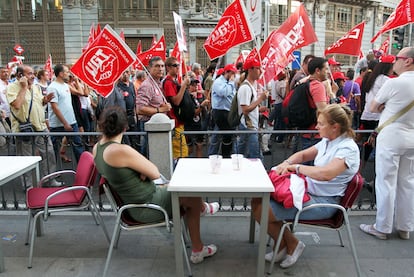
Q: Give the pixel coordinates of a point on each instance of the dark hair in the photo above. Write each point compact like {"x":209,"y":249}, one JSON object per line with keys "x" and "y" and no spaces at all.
{"x":239,"y":65}
{"x":379,"y":69}
{"x":350,"y":74}
{"x":153,"y":60}
{"x":58,"y":68}
{"x":307,"y":58}
{"x":316,"y":62}
{"x":19,"y":71}
{"x":40,"y":73}
{"x":113,"y":121}
{"x":340,"y":114}
{"x":170,"y":61}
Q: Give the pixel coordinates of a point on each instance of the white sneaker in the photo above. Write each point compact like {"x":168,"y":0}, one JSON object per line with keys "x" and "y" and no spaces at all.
{"x":210,"y":208}
{"x":404,"y":235}
{"x":292,"y":259}
{"x":54,"y":183}
{"x":208,"y":251}
{"x":279,"y":257}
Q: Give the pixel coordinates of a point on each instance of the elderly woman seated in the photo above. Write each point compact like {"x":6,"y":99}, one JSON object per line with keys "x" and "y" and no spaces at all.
{"x":336,"y":161}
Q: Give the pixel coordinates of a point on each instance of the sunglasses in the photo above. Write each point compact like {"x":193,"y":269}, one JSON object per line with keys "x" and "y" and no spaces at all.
{"x":175,"y":65}
{"x":401,"y":58}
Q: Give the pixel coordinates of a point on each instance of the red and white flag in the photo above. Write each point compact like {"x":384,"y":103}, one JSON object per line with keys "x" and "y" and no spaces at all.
{"x":232,"y":29}
{"x":276,"y":51}
{"x":385,"y":47}
{"x":402,"y":15}
{"x":156,"y":50}
{"x":97,"y":30}
{"x":154,"y":41}
{"x":240,"y":59}
{"x":136,"y":64}
{"x":348,"y":44}
{"x":101,"y":65}
{"x":177,"y":54}
{"x":49,"y":66}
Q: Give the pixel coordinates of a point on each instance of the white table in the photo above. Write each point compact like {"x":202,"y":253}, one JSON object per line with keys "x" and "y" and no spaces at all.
{"x":192,"y":177}
{"x":12,"y":167}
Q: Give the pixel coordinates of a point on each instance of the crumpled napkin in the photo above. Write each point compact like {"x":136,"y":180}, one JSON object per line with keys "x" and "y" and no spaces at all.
{"x":297,"y":187}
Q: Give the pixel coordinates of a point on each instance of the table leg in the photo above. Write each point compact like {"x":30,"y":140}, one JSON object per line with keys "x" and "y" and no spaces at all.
{"x":252,"y":227}
{"x":1,"y":260}
{"x":179,"y":266}
{"x":263,"y":235}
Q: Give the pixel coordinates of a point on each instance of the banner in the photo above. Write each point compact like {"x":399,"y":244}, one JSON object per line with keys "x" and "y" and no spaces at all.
{"x":179,"y":31}
{"x":177,"y":54}
{"x":232,"y":29}
{"x":276,"y":52}
{"x":156,"y":50}
{"x":402,"y":15}
{"x":350,"y":43}
{"x":48,"y":66}
{"x":254,"y":14}
{"x":102,"y":64}
{"x":385,"y":47}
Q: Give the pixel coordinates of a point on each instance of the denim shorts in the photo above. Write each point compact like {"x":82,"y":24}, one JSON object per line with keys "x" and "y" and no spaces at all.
{"x":282,"y":213}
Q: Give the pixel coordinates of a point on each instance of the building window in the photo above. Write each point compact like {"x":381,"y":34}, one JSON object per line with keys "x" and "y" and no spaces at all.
{"x":344,"y":18}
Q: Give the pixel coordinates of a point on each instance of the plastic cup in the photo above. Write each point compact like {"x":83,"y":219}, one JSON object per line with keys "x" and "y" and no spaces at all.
{"x":215,"y":163}
{"x":236,"y":161}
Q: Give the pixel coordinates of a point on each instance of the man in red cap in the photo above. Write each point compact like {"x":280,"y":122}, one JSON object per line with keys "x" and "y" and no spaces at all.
{"x":249,"y":101}
{"x":222,"y":93}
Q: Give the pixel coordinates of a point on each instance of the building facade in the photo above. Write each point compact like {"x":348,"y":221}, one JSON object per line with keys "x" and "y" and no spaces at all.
{"x":61,"y":27}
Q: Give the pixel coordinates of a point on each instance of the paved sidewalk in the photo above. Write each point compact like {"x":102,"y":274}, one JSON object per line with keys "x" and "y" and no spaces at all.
{"x":73,"y":245}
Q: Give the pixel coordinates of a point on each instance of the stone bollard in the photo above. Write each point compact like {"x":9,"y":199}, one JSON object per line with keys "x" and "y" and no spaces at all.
{"x":159,"y":129}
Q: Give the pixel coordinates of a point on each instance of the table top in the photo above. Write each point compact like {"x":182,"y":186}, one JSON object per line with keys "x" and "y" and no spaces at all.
{"x":195,"y":175}
{"x":10,"y":165}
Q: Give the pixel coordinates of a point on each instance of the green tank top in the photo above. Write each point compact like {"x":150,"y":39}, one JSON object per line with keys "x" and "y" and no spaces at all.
{"x":125,"y":181}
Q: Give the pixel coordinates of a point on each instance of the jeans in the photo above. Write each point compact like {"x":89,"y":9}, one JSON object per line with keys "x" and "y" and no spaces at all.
{"x":221,"y":141}
{"x":76,"y":140}
{"x":248,"y":144}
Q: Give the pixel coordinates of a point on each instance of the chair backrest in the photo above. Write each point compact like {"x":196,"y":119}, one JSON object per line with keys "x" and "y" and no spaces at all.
{"x":86,"y":170}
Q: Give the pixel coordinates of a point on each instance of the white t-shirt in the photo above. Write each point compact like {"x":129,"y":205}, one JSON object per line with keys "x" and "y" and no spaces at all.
{"x":4,"y":105}
{"x":397,"y":93}
{"x":64,"y":100}
{"x":342,"y":148}
{"x":366,"y":114}
{"x":244,"y":97}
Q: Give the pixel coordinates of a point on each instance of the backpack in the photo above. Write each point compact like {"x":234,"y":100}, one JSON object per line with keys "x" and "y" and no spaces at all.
{"x":185,"y":111}
{"x":296,"y":108}
{"x":233,"y":117}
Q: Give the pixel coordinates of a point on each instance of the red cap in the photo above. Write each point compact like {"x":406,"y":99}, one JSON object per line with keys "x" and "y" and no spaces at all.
{"x":220,"y":71}
{"x":251,"y":62}
{"x":338,"y":75}
{"x":332,"y":61}
{"x":387,"y":59}
{"x":230,"y":67}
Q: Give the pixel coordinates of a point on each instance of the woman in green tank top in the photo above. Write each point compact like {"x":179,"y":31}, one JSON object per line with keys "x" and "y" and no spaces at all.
{"x":130,"y":174}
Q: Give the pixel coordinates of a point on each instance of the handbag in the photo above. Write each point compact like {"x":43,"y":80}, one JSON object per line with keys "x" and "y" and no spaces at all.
{"x":282,"y":192}
{"x":27,"y":126}
{"x":372,"y":138}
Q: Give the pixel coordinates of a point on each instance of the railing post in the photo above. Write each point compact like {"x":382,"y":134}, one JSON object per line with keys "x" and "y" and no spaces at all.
{"x":159,"y":129}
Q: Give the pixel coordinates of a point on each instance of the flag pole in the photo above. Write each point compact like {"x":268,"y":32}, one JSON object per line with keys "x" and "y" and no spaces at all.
{"x":390,"y":37}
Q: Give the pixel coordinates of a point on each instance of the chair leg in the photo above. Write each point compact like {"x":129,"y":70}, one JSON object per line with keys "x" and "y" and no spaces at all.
{"x":186,"y":235}
{"x":29,"y":220}
{"x":33,"y":234}
{"x":279,"y":240}
{"x":351,"y":242}
{"x":340,"y":238}
{"x":115,"y":238}
{"x":187,"y":262}
{"x":98,"y":219}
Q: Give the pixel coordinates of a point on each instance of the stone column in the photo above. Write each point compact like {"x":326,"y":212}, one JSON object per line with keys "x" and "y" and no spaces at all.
{"x":159,"y":129}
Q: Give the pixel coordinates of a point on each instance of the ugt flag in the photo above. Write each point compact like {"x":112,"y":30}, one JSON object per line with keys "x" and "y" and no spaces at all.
{"x":402,"y":15}
{"x":156,"y":50}
{"x":232,"y":29}
{"x":101,"y":65}
{"x":276,"y":51}
{"x":348,"y":44}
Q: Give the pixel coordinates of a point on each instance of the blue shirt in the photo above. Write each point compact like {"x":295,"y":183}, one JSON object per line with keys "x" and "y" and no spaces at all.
{"x":223,"y":92}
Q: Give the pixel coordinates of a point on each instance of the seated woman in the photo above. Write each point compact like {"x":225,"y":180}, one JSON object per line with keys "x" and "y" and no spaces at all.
{"x":131,"y":175}
{"x":336,"y":159}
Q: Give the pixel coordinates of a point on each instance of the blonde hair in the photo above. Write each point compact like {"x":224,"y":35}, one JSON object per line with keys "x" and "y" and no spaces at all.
{"x":341,"y":114}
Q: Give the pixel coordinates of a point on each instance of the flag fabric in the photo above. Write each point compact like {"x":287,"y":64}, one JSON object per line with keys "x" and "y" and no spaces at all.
{"x":402,"y":15}
{"x":97,"y":30}
{"x":232,"y":29}
{"x":179,"y":31}
{"x":49,"y":66}
{"x":385,"y":47}
{"x":122,"y":35}
{"x":154,"y":41}
{"x":102,"y":64}
{"x":136,"y":64}
{"x":348,"y":44}
{"x":156,"y":50}
{"x":177,"y":54}
{"x":276,"y":51}
{"x":139,"y":47}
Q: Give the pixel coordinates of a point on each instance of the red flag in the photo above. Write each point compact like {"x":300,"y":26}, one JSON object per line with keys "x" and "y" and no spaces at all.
{"x":97,"y":30}
{"x":348,"y":44}
{"x":154,"y":41}
{"x":139,"y":47}
{"x":157,"y":50}
{"x":232,"y":29}
{"x":276,"y":51}
{"x":122,"y":35}
{"x":240,"y":59}
{"x":177,"y":54}
{"x":91,"y":38}
{"x":402,"y":15}
{"x":385,"y":46}
{"x":101,"y":65}
{"x":48,"y":66}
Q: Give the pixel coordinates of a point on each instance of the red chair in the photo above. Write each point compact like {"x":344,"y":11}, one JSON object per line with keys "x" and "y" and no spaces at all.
{"x":43,"y":201}
{"x":125,"y":222}
{"x":336,"y":222}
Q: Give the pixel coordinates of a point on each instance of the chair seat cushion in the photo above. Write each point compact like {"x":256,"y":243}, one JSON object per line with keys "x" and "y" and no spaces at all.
{"x":36,"y":197}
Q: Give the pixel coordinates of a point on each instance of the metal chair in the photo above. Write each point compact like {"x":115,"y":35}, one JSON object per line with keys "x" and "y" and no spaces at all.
{"x":336,"y":222}
{"x":43,"y":201}
{"x":125,"y":222}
